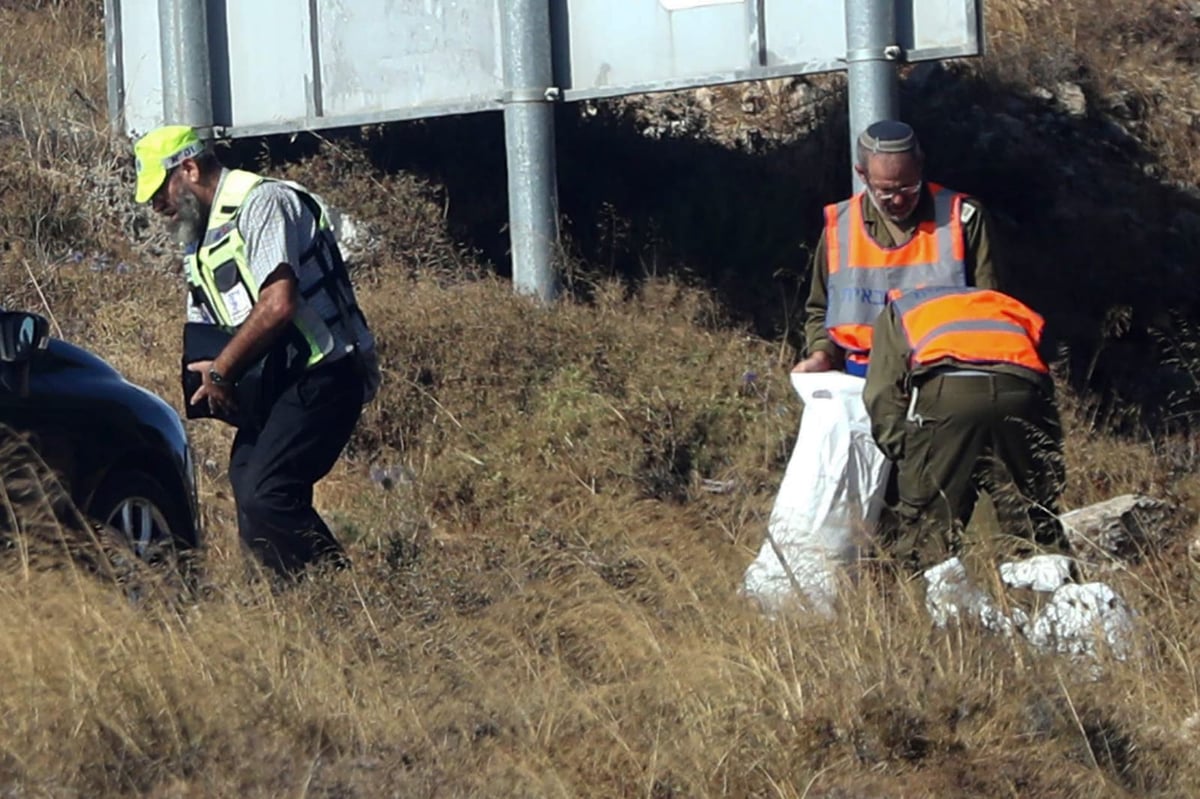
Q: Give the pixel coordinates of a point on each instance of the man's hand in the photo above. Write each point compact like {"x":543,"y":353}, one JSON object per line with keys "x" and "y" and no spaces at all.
{"x":220,"y":398}
{"x":819,"y":361}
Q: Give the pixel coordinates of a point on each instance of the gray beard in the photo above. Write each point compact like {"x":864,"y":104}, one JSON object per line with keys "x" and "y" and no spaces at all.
{"x":188,"y":225}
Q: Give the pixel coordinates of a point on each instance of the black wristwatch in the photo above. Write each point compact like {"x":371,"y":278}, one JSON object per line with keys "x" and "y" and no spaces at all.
{"x":217,"y":378}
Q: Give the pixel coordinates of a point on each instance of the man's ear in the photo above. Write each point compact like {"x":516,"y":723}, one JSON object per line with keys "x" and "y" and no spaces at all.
{"x":862,"y":173}
{"x":191,"y":170}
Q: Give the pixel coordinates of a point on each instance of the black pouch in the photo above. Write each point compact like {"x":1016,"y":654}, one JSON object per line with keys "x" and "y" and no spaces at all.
{"x":256,"y":388}
{"x":204,"y":342}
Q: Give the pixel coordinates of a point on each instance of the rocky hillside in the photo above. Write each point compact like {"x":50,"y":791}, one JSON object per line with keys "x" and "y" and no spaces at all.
{"x":550,"y":510}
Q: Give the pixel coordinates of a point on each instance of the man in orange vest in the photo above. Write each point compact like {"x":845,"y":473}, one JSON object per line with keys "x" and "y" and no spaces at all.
{"x":960,"y":400}
{"x":900,"y":232}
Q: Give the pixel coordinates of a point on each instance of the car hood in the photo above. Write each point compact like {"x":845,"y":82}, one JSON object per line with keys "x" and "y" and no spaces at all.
{"x":67,"y":369}
{"x":65,"y":355}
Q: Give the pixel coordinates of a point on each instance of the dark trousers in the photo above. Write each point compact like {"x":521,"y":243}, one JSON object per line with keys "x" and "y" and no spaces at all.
{"x":995,"y":432}
{"x":274,"y":466}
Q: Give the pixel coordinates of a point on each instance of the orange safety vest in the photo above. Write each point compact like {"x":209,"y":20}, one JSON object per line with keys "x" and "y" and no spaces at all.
{"x":970,"y":326}
{"x":861,"y":272}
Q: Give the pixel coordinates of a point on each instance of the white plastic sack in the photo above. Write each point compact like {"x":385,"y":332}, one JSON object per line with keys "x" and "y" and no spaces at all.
{"x":829,"y":499}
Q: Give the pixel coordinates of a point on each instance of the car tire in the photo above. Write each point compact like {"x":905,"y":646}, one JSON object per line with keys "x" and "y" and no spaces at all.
{"x":139,"y":508}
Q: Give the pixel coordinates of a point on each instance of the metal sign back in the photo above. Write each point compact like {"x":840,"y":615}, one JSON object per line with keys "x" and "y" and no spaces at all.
{"x":616,"y":47}
{"x":287,"y":65}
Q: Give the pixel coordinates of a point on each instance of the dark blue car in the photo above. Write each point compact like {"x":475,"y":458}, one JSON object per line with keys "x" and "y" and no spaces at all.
{"x":121,"y":452}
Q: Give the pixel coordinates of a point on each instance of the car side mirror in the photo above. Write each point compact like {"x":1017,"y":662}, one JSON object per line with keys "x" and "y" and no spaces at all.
{"x":22,"y":334}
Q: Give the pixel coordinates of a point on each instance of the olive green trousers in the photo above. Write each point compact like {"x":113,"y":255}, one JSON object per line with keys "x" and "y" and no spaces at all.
{"x":968,"y":433}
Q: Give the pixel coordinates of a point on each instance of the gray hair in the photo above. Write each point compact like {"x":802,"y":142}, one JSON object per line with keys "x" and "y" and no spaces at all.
{"x":208,"y":161}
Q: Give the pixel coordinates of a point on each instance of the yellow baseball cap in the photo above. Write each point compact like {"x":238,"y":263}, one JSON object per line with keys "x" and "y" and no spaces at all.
{"x":160,"y":151}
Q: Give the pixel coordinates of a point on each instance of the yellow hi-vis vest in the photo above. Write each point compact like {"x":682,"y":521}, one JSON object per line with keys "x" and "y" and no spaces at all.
{"x":221,"y":281}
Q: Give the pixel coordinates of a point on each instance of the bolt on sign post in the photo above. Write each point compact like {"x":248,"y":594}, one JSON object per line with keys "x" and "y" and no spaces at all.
{"x":338,"y":63}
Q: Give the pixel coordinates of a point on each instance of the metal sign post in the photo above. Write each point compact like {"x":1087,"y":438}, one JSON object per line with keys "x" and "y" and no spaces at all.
{"x":528,"y":99}
{"x":186,"y":88}
{"x":871,"y":56}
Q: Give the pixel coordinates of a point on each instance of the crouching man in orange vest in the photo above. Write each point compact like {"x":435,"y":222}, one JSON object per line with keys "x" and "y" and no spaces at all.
{"x":960,"y":400}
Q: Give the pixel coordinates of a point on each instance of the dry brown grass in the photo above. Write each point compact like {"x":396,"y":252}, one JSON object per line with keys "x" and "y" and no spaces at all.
{"x":544,"y":598}
{"x":1145,"y":53}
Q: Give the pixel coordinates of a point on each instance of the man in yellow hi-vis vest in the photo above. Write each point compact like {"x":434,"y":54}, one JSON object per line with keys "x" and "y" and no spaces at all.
{"x":960,"y":401}
{"x":262,"y":262}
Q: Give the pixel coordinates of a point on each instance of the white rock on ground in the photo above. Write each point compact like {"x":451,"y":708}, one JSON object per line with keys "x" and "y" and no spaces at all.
{"x":950,"y":595}
{"x":1078,"y":620}
{"x":1042,"y":573}
{"x":1079,"y":617}
{"x":1118,"y":526}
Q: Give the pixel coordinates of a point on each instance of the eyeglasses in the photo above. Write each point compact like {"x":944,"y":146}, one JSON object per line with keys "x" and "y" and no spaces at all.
{"x":903,"y":191}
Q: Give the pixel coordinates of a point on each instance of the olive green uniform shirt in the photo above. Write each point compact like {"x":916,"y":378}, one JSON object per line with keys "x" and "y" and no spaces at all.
{"x":997,"y":431}
{"x":982,"y":271}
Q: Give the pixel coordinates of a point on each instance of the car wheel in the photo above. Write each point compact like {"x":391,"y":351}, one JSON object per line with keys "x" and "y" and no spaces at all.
{"x":138,"y":507}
